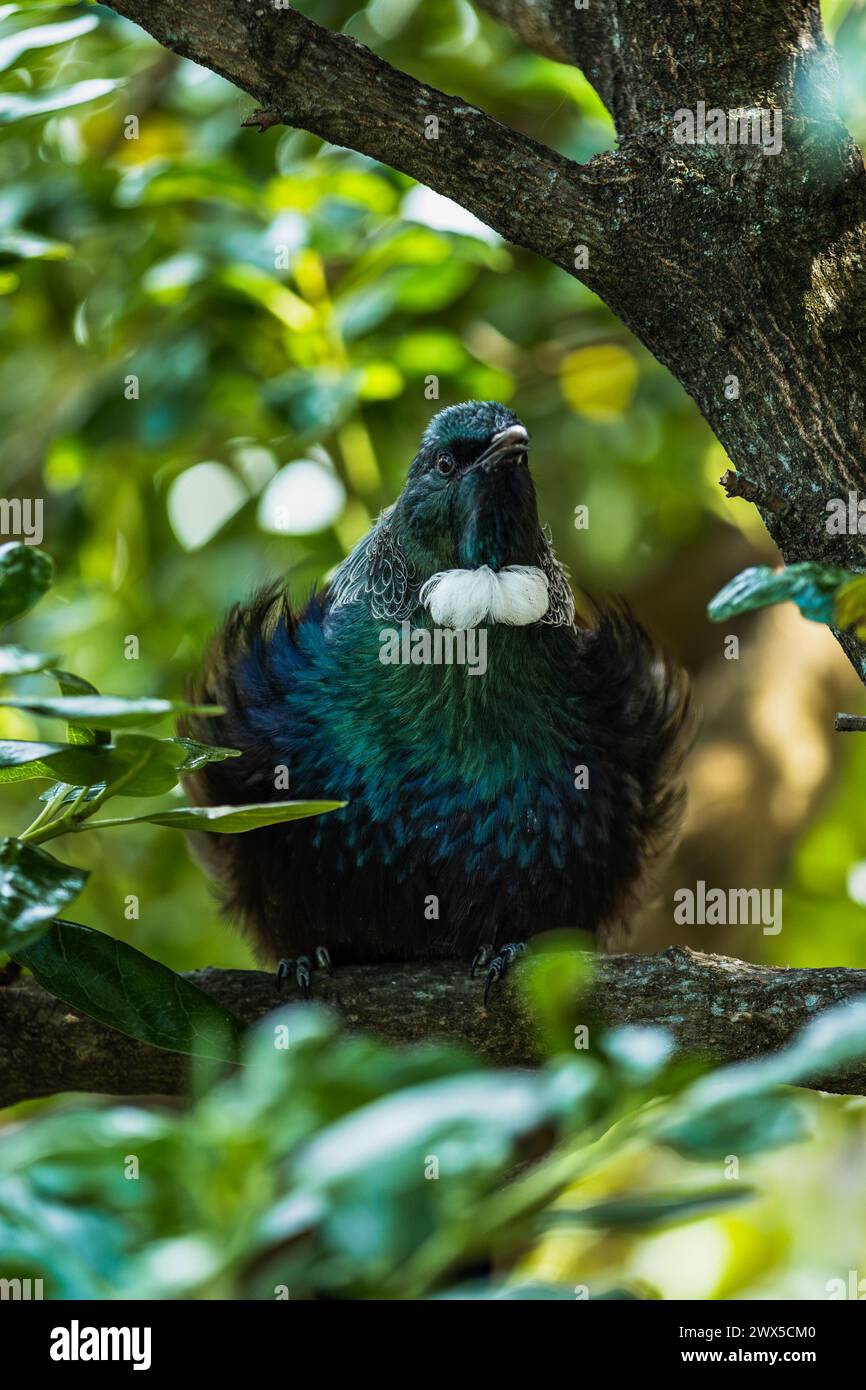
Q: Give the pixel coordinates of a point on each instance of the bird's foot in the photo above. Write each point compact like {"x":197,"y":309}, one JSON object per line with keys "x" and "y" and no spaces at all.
{"x":497,"y":964}
{"x":302,"y":968}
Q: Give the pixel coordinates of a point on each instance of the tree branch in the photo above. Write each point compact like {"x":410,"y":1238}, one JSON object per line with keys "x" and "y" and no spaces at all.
{"x":850,"y":724}
{"x":330,"y":84}
{"x":717,"y":1009}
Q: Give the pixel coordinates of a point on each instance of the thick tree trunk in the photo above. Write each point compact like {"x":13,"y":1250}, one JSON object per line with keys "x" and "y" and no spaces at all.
{"x":742,"y":272}
{"x":716,"y":1008}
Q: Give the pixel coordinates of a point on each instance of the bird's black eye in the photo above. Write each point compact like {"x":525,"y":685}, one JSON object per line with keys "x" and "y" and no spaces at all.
{"x":445,"y":464}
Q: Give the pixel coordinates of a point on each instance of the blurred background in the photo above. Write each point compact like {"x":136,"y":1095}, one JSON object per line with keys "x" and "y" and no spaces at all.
{"x":217,"y":353}
{"x":218,"y":350}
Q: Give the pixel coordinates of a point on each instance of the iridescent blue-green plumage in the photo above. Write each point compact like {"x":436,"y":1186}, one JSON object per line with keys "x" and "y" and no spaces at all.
{"x":468,"y":818}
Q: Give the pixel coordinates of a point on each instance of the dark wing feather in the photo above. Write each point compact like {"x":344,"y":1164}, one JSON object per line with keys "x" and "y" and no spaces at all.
{"x":639,"y":712}
{"x":245,"y":671}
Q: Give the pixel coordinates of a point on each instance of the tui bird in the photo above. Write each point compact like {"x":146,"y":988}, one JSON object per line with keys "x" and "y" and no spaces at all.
{"x":488,"y":799}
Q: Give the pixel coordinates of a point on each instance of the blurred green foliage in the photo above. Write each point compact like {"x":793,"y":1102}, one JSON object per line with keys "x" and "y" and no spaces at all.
{"x":339,"y":1167}
{"x":215,"y":353}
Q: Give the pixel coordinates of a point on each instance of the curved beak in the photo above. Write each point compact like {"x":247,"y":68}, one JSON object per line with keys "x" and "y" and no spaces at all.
{"x":507,"y":444}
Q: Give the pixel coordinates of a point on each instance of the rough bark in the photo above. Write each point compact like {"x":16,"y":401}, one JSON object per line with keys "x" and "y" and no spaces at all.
{"x":717,"y":1009}
{"x":723,"y":261}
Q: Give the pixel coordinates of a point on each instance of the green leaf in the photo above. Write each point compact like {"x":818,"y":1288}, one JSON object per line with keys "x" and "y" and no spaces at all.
{"x":17,"y":661}
{"x":649,"y":1212}
{"x":13,"y":46}
{"x":22,"y":761}
{"x":70,"y":684}
{"x":738,"y":1109}
{"x":227,"y":820}
{"x":126,"y":990}
{"x":501,"y":1292}
{"x":17,"y":106}
{"x":76,"y":1250}
{"x":851,"y":605}
{"x":26,"y":246}
{"x":157,"y":762}
{"x":107,"y":711}
{"x":200,"y":754}
{"x":25,"y":575}
{"x":71,"y":793}
{"x":751,"y":1125}
{"x":811,"y":586}
{"x":34,"y":887}
{"x":640,"y":1052}
{"x":77,"y":685}
{"x":150,"y":764}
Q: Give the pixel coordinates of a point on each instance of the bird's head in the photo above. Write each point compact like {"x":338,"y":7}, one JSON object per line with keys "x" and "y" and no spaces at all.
{"x":463,"y":540}
{"x":469,"y":499}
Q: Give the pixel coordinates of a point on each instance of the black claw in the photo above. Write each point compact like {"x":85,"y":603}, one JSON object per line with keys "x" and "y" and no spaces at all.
{"x":302,"y":975}
{"x":481,"y":957}
{"x":500,"y":965}
{"x":301,"y":969}
{"x":494,"y":975}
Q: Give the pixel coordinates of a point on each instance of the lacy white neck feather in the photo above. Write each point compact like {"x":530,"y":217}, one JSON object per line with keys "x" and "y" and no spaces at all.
{"x":516,"y":595}
{"x":378,"y":573}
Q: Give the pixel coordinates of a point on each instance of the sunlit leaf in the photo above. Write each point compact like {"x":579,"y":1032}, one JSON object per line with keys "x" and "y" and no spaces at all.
{"x":424,"y":291}
{"x":649,"y":1211}
{"x":199,"y":184}
{"x":227,"y":820}
{"x":380,"y":381}
{"x":304,"y":497}
{"x":28,"y":246}
{"x":277,"y":298}
{"x":739,"y":1108}
{"x":106,"y":711}
{"x":149,"y":766}
{"x":17,"y":661}
{"x":599,"y":381}
{"x":851,"y":605}
{"x":641,"y":1053}
{"x":17,"y":106}
{"x":201,"y":500}
{"x":490,"y":1110}
{"x":12,"y":46}
{"x":434,"y":351}
{"x":76,"y":685}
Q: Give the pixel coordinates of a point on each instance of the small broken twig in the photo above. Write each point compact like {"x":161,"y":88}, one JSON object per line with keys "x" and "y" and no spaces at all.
{"x":261,"y":120}
{"x":850,"y":723}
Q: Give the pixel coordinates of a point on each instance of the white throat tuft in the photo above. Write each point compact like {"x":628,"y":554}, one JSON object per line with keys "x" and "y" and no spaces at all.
{"x":516,"y":595}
